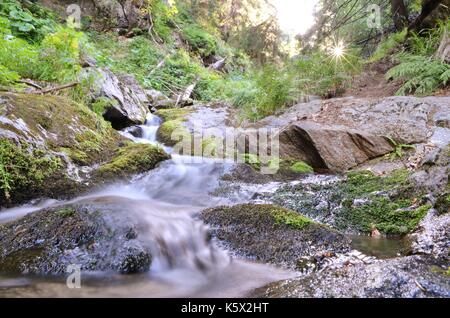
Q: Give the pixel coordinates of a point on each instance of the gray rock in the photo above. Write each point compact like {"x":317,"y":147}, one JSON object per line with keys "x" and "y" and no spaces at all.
{"x":130,"y":109}
{"x":254,"y":231}
{"x":408,"y":277}
{"x":93,"y":237}
{"x":333,"y":148}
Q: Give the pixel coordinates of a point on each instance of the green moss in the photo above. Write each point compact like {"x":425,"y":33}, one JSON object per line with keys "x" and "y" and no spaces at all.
{"x":101,"y":104}
{"x":359,"y":183}
{"x":439,"y":270}
{"x":131,"y":159}
{"x":385,"y":203}
{"x":23,"y":168}
{"x":301,"y":167}
{"x":81,"y":134}
{"x":252,"y":160}
{"x":66,"y":212}
{"x":174,"y":114}
{"x":173,"y":121}
{"x":290,"y":218}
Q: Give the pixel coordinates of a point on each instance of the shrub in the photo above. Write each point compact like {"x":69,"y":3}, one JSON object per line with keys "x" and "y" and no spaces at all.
{"x":199,"y":40}
{"x":31,"y":23}
{"x":59,"y":58}
{"x":388,"y":45}
{"x":421,"y":75}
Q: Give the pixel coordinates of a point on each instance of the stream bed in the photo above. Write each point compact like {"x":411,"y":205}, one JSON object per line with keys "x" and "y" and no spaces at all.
{"x":186,"y":261}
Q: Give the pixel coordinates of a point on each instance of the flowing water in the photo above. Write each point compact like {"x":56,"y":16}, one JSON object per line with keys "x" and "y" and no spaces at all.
{"x":185,"y":263}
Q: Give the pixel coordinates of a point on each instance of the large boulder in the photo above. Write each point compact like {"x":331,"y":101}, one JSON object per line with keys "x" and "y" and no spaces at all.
{"x":129,"y":104}
{"x":274,"y":235}
{"x":340,"y":134}
{"x":96,"y":238}
{"x":53,"y":147}
{"x":333,"y":148}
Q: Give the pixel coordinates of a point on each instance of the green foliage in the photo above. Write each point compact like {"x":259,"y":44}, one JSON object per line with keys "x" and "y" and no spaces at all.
{"x":199,"y":40}
{"x":398,"y":152}
{"x":7,"y":77}
{"x":290,"y":218}
{"x":59,"y":58}
{"x":387,"y":46}
{"x":422,"y":75}
{"x":268,"y":92}
{"x":18,"y":56}
{"x":31,"y":23}
{"x":23,"y":170}
{"x":418,"y":69}
{"x":323,"y":75}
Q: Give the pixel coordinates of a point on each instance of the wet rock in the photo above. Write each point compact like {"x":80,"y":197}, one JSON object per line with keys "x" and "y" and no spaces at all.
{"x":408,"y":277}
{"x":433,"y":236}
{"x":155,"y":96}
{"x":93,"y":237}
{"x":271,"y":234}
{"x":135,"y":131}
{"x":130,"y":107}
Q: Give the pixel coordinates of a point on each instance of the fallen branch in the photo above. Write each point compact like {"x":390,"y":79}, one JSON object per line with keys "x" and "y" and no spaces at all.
{"x":29,"y":83}
{"x":58,"y":88}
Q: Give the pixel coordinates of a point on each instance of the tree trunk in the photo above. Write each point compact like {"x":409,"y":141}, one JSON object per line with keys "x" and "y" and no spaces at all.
{"x":428,"y":7}
{"x":443,"y":52}
{"x":399,"y":14}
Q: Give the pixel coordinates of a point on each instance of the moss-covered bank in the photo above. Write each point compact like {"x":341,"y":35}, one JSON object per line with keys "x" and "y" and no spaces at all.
{"x":272,"y":234}
{"x":360,"y":202}
{"x":131,"y":159}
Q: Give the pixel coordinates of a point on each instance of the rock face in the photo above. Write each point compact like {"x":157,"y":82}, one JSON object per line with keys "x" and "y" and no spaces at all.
{"x":52,"y":147}
{"x":130,"y":104}
{"x":408,"y":277}
{"x":271,"y":234}
{"x":340,"y":134}
{"x":93,"y":237}
{"x":333,"y":148}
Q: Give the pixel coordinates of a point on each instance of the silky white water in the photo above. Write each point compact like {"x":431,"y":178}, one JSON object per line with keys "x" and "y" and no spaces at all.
{"x":185,"y":261}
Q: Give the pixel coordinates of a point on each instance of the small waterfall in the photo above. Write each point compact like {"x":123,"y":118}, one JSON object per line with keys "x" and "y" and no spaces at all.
{"x":162,"y":202}
{"x":147,"y":131}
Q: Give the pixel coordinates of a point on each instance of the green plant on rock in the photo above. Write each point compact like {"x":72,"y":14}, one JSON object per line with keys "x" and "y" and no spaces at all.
{"x":290,"y":218}
{"x":387,"y":203}
{"x":22,"y":169}
{"x":131,"y":159}
{"x":301,"y":168}
{"x":199,"y":40}
{"x":399,"y":149}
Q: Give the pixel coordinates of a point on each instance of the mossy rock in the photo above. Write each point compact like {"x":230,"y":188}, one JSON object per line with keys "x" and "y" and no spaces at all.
{"x":173,"y":120}
{"x":360,"y":202}
{"x":25,"y":170}
{"x":132,"y":159}
{"x":391,"y":203}
{"x":44,"y":242}
{"x":65,"y":126}
{"x":282,"y":169}
{"x":272,"y":234}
